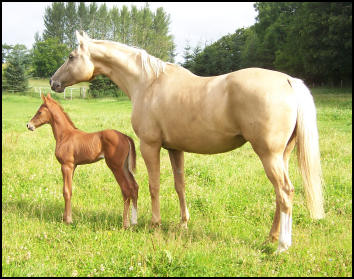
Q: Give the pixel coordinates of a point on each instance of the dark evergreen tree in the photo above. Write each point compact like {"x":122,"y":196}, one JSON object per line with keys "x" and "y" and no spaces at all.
{"x":15,"y":77}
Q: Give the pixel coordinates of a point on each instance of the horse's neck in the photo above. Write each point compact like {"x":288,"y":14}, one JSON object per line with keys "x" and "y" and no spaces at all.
{"x":60,"y":125}
{"x":120,"y":65}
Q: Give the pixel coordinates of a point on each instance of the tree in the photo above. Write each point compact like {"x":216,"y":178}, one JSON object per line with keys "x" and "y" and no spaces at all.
{"x":54,"y":22}
{"x":220,"y":57}
{"x":187,"y":56}
{"x":93,"y":19}
{"x":103,"y":24}
{"x":83,"y":17}
{"x":15,"y":77}
{"x":48,"y":56}
{"x":71,"y":23}
{"x":6,"y":49}
{"x":311,"y":40}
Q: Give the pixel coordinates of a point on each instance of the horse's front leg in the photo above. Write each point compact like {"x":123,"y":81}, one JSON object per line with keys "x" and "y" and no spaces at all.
{"x":151,"y":155}
{"x":177,"y":162}
{"x":68,"y":172}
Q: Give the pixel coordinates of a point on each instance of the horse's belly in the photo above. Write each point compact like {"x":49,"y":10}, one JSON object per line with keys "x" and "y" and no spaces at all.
{"x":204,"y":145}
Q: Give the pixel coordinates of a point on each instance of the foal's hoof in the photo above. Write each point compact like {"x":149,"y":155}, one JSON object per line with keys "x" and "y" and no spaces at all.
{"x":68,"y":221}
{"x":155,"y":225}
{"x":273,"y":238}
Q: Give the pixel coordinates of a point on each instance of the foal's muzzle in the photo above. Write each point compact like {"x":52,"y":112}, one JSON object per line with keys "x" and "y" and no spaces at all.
{"x":30,"y":126}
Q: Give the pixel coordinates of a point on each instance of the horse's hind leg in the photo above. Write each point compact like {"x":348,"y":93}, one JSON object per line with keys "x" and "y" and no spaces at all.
{"x":276,"y":172}
{"x":177,"y":162}
{"x":274,"y":232}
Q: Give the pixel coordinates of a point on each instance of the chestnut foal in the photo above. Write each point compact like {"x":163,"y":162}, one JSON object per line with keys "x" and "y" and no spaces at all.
{"x":75,"y":147}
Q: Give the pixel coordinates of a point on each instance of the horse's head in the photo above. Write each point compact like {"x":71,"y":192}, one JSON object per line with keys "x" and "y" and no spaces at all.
{"x":78,"y":67}
{"x":42,"y":115}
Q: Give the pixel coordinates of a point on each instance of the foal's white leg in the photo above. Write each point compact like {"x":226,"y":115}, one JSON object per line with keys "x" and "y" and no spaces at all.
{"x":285,"y":232}
{"x":134,"y":218}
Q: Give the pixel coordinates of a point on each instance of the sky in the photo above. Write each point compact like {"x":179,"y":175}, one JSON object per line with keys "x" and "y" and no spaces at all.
{"x":192,"y":22}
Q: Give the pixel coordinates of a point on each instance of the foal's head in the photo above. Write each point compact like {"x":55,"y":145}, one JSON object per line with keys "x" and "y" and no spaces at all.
{"x":42,"y":116}
{"x":49,"y":112}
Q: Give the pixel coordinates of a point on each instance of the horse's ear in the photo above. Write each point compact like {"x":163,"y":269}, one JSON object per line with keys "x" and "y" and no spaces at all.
{"x":82,"y":41}
{"x":79,"y":37}
{"x":48,"y":96}
{"x":85,"y":35}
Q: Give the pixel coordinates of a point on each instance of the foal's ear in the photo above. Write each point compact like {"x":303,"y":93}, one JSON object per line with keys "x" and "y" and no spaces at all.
{"x":48,"y":96}
{"x":43,"y":98}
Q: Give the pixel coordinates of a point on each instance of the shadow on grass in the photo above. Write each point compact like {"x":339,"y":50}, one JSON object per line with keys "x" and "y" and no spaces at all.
{"x":50,"y":211}
{"x":100,"y":220}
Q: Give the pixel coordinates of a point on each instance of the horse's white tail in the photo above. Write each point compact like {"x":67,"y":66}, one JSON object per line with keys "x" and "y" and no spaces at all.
{"x":308,"y":152}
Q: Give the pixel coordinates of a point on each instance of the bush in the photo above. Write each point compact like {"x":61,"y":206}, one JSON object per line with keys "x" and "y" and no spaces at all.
{"x":102,"y":86}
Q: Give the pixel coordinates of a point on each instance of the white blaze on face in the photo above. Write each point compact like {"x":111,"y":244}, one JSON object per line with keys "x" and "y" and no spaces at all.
{"x":285,"y":232}
{"x":134,"y":219}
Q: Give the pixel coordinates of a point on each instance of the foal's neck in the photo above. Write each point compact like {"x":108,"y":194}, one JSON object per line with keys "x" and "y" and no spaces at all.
{"x":61,"y":125}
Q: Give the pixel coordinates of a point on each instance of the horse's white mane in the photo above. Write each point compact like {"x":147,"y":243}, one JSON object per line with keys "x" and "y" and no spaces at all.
{"x":156,"y":64}
{"x":150,"y":64}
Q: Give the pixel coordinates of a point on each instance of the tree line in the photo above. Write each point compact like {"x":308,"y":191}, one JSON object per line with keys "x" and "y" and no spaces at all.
{"x":310,"y":40}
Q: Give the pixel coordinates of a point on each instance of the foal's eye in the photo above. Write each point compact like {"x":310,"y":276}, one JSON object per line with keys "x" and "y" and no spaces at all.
{"x":71,"y":56}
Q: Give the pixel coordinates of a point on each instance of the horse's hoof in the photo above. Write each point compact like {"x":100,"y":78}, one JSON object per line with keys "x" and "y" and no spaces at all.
{"x":184,"y":225}
{"x":282,"y":249}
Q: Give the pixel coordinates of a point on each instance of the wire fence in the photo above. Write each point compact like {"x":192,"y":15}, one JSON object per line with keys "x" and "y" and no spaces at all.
{"x":69,"y":93}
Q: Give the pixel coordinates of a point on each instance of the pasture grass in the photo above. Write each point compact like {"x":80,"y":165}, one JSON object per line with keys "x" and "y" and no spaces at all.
{"x":230,"y":200}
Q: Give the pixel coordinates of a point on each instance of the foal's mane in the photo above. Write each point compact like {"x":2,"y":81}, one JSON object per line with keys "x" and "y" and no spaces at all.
{"x":62,"y":110}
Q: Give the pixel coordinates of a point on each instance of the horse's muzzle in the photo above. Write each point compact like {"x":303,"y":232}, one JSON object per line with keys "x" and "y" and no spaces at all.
{"x":56,"y":86}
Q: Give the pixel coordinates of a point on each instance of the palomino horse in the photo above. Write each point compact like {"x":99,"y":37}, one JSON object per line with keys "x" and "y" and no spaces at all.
{"x":177,"y":110}
{"x":75,"y":147}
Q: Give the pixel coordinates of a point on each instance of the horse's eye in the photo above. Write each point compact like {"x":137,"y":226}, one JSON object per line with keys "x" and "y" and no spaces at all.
{"x":71,"y":56}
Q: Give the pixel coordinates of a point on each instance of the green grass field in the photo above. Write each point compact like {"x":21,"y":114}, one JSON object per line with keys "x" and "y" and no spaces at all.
{"x":230,"y":200}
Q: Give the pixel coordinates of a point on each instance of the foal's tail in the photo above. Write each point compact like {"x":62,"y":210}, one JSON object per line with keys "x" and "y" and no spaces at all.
{"x":308,"y":152}
{"x":131,"y":155}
